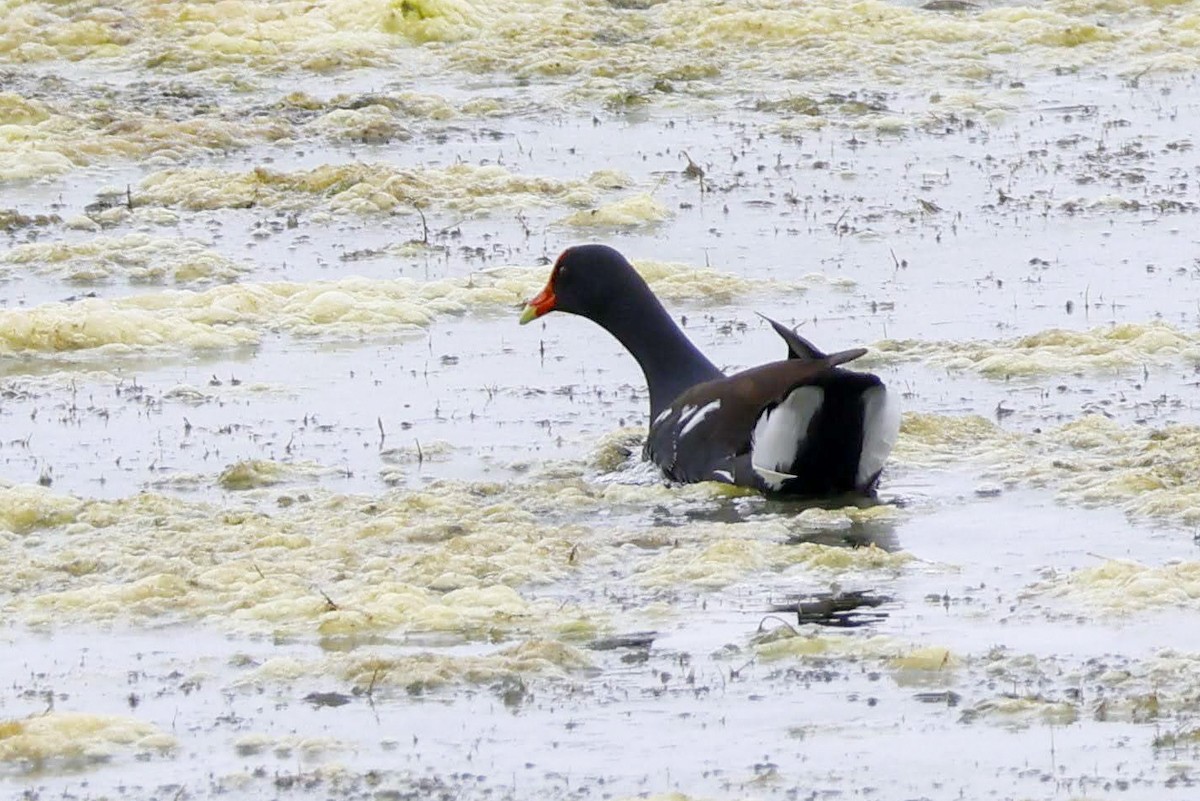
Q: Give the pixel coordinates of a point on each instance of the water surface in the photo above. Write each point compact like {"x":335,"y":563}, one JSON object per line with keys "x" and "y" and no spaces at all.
{"x":292,"y":506}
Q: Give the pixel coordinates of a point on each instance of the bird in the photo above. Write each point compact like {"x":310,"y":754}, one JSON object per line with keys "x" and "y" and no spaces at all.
{"x":802,"y":426}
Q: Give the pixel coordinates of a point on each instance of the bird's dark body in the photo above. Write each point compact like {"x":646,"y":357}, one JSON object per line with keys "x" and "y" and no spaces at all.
{"x":803,"y":426}
{"x":717,"y":447}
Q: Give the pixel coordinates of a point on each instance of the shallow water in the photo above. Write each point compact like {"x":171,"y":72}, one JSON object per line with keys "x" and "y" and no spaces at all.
{"x":292,"y":506}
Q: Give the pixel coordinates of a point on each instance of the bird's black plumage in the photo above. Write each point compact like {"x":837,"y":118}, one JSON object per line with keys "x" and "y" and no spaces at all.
{"x":801,"y":426}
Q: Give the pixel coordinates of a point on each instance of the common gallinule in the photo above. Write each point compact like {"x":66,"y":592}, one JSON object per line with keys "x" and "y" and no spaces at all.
{"x":802,"y":426}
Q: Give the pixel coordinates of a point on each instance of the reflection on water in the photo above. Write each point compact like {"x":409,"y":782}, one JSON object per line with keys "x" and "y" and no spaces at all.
{"x":857,"y":534}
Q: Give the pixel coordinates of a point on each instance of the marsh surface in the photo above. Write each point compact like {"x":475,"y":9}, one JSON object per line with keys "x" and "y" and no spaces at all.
{"x":291,"y":506}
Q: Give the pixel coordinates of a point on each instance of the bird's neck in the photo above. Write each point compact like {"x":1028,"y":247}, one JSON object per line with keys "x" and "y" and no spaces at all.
{"x":669,"y":360}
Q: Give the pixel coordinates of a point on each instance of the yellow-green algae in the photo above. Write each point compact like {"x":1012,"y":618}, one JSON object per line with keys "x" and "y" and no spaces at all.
{"x":819,"y":519}
{"x":1162,"y":687}
{"x":726,"y":553}
{"x":753,"y":48}
{"x":1150,"y":473}
{"x":121,"y":325}
{"x":641,"y":209}
{"x":455,"y":558}
{"x":928,"y":440}
{"x":237,"y":315}
{"x":1025,"y":710}
{"x":595,"y":54}
{"x":71,"y":736}
{"x":362,"y":669}
{"x":357,"y":188}
{"x":676,"y":42}
{"x":406,"y":104}
{"x":51,"y":135}
{"x":435,"y":451}
{"x":138,"y":258}
{"x":1157,"y":688}
{"x":1125,"y":586}
{"x":40,"y":139}
{"x":374,"y":123}
{"x":612,"y":450}
{"x":251,"y":473}
{"x":1149,"y":689}
{"x":784,"y":642}
{"x":444,"y":560}
{"x":1055,"y":351}
{"x":25,"y":508}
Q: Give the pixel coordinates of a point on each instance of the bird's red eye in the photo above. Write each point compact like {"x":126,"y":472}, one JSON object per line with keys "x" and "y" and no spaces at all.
{"x":560,"y":266}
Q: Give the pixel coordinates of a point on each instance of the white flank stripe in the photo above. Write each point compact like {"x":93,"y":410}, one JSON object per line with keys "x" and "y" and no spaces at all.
{"x":698,"y":416}
{"x":881,"y":428}
{"x":779,"y":433}
{"x":724,"y":475}
{"x":772,"y":478}
{"x":663,"y":415}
